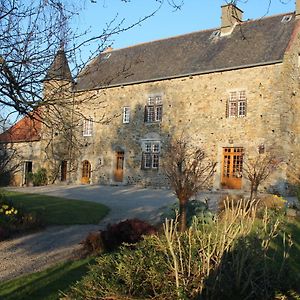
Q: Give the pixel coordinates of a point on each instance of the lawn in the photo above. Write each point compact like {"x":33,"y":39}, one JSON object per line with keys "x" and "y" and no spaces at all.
{"x":46,"y":284}
{"x":59,"y":211}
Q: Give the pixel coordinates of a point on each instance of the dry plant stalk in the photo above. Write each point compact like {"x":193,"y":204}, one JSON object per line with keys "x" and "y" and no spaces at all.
{"x":211,"y":243}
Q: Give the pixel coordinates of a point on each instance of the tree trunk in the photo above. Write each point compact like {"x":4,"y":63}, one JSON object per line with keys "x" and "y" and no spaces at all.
{"x":182,"y":215}
{"x":255,"y":189}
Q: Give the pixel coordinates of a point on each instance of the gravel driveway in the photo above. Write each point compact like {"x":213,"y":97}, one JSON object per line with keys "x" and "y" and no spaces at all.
{"x":37,"y":251}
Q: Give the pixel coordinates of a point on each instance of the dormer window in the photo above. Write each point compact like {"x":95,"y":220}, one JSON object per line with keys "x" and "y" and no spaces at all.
{"x":286,"y":19}
{"x":215,"y":34}
{"x":153,"y":109}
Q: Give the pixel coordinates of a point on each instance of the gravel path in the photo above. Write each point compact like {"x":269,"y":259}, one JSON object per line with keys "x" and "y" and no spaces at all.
{"x":37,"y":251}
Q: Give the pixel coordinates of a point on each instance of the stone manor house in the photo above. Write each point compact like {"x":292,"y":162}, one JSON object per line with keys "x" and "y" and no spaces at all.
{"x":232,"y":90}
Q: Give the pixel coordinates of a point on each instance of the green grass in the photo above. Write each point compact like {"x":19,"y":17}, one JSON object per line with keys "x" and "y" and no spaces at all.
{"x":46,"y":284}
{"x":59,"y":211}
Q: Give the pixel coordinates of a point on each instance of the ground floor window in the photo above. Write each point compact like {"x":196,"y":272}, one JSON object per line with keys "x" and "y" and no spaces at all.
{"x":150,"y":155}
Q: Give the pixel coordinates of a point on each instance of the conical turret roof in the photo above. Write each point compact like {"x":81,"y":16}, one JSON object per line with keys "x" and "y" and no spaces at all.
{"x":59,"y":69}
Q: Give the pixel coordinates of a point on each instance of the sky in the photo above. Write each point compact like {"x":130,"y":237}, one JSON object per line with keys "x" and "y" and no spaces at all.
{"x":194,"y":15}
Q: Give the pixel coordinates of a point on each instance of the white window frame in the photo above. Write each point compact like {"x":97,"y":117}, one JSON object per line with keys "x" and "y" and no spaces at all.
{"x":87,"y":127}
{"x":154,"y":109}
{"x":237,"y":104}
{"x":126,"y":114}
{"x":151,"y":154}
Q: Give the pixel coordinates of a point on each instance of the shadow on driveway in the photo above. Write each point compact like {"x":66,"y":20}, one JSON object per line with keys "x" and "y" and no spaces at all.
{"x":125,"y":202}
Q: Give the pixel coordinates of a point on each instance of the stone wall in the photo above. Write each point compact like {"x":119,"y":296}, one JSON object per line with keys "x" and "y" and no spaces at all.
{"x":196,"y":107}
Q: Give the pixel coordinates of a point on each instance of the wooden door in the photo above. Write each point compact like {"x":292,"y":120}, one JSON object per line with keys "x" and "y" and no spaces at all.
{"x":27,"y":172}
{"x":86,"y":172}
{"x":63,"y":170}
{"x":118,"y":173}
{"x":232,"y":168}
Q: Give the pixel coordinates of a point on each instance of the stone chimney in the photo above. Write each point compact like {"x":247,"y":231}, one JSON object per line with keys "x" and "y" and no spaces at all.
{"x":231,"y":15}
{"x":297,"y":14}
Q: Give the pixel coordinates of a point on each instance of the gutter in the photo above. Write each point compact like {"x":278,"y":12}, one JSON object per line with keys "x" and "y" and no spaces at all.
{"x":182,"y":75}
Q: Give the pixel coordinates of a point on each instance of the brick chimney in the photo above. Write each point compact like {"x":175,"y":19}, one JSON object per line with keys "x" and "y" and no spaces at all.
{"x":231,"y":15}
{"x":297,"y":14}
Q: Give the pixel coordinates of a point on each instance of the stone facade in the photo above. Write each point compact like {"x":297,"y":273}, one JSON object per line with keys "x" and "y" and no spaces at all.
{"x":196,"y":106}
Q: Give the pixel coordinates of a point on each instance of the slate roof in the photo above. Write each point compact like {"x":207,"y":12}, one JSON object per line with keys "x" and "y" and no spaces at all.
{"x":28,"y":129}
{"x":59,"y":69}
{"x":256,"y":42}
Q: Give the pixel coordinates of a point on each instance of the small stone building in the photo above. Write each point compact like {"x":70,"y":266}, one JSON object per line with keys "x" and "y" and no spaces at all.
{"x":233,"y":91}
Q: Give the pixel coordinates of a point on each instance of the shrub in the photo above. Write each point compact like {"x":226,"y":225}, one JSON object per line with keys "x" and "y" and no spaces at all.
{"x":195,"y":208}
{"x":4,"y":232}
{"x":272,"y":202}
{"x":230,"y":201}
{"x":40,"y":177}
{"x":227,"y":258}
{"x":298,"y":195}
{"x":14,"y":220}
{"x":275,"y":204}
{"x":129,"y":231}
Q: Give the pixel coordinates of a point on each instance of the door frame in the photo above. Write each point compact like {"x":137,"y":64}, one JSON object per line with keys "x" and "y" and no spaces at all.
{"x":232,"y":167}
{"x":86,"y":169}
{"x":63,"y":170}
{"x":119,"y":164}
{"x":26,"y":171}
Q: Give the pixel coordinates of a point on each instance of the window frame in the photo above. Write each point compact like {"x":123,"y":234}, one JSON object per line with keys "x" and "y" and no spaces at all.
{"x":237,"y":104}
{"x":154,"y":109}
{"x":87,"y":129}
{"x":126,"y":115}
{"x":150,"y":155}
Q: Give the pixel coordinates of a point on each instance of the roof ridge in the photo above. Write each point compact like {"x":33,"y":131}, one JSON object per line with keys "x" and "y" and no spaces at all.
{"x":193,"y":32}
{"x":269,"y":17}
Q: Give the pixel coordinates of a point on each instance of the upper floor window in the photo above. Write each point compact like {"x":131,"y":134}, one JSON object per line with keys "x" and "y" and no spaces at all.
{"x":87,"y":127}
{"x":126,"y":114}
{"x":150,"y":157}
{"x":153,"y":109}
{"x":237,"y":104}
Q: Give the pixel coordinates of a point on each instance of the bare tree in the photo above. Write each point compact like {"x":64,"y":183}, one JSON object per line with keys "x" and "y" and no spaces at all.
{"x":257,"y":170}
{"x":31,"y":32}
{"x":189,"y":171}
{"x":8,"y":165}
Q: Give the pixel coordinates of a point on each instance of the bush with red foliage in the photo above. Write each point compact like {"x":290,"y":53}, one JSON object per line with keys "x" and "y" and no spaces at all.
{"x":129,"y":231}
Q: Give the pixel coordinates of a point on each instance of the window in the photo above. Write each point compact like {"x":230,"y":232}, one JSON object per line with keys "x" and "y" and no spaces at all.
{"x":215,"y":34}
{"x":150,"y":157}
{"x":237,"y":104}
{"x":153,"y":109}
{"x":286,"y":19}
{"x":126,"y":114}
{"x":87,"y":127}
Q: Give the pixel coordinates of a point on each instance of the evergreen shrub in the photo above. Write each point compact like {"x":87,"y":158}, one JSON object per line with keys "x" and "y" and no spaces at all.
{"x":227,"y":258}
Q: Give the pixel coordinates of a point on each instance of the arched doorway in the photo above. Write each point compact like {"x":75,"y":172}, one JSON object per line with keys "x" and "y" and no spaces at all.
{"x":86,"y":172}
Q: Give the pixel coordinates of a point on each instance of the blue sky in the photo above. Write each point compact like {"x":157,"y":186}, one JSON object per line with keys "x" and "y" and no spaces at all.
{"x":194,"y":15}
